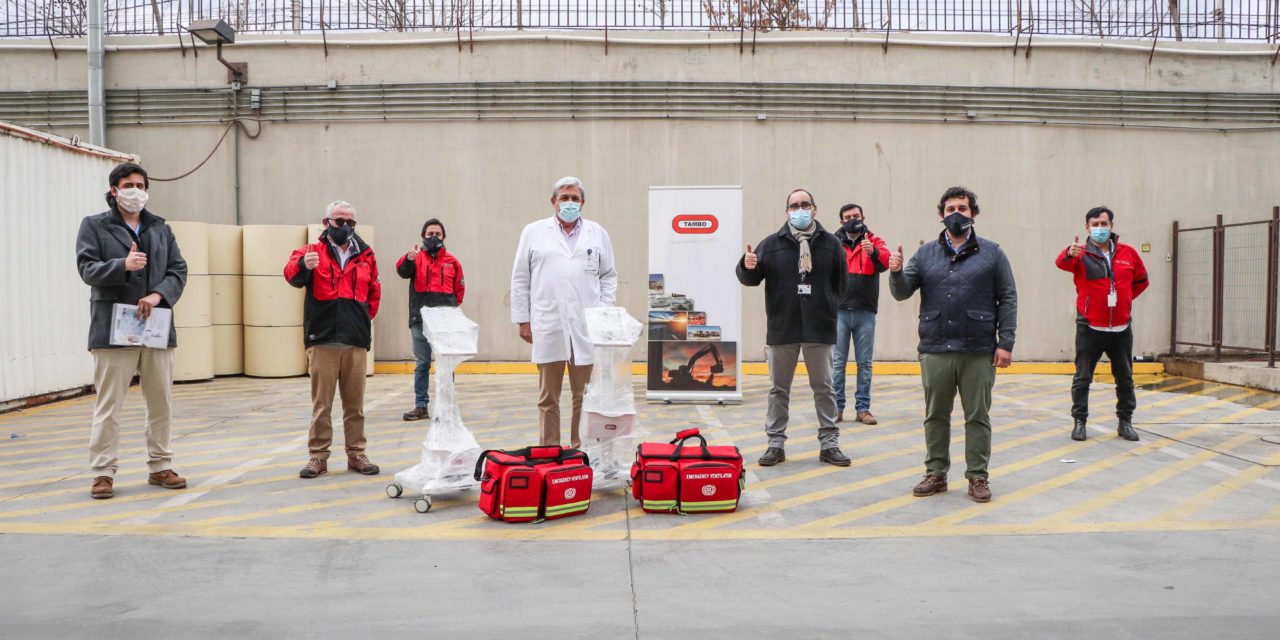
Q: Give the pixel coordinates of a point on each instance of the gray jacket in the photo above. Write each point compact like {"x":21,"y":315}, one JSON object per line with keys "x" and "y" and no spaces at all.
{"x":968,"y":300}
{"x":101,"y":248}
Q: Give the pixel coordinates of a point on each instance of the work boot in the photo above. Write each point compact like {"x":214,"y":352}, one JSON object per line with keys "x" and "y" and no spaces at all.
{"x":101,"y":488}
{"x":315,"y":467}
{"x":1125,"y":430}
{"x":771,"y":457}
{"x":834,"y":456}
{"x":418,"y":413}
{"x":167,"y":479}
{"x":840,"y":416}
{"x":931,"y":484}
{"x":1078,"y":433}
{"x":360,"y":463}
{"x":979,"y":490}
{"x":865,"y":417}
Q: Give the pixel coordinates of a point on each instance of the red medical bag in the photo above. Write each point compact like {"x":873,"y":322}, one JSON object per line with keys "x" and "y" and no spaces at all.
{"x":687,"y":479}
{"x":534,"y":483}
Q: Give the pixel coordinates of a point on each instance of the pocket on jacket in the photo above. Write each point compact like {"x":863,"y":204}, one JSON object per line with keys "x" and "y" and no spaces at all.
{"x":928,"y":323}
{"x":984,"y":321}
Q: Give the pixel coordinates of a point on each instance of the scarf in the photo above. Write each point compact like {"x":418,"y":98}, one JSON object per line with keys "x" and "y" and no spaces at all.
{"x":803,"y":236}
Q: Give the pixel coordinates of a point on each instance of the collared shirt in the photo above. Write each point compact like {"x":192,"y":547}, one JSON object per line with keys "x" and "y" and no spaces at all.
{"x":955,"y":249}
{"x":570,"y":236}
{"x":344,"y":254}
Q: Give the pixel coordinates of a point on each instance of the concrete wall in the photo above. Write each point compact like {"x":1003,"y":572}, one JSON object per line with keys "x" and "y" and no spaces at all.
{"x":487,"y":178}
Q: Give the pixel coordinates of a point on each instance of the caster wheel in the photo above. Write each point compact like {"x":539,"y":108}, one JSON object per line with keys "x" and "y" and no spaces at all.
{"x":394,"y":490}
{"x":422,"y":505}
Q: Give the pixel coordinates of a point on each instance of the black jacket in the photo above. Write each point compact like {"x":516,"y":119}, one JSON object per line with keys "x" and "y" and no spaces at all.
{"x":793,"y":318}
{"x":101,"y":248}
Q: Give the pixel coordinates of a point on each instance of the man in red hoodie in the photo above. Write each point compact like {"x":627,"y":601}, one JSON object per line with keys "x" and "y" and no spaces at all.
{"x":435,"y":280}
{"x":1108,"y":277}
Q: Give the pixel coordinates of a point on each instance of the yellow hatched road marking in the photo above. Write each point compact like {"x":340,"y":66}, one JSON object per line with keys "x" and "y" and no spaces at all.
{"x":172,"y":509}
{"x":1239,"y":481}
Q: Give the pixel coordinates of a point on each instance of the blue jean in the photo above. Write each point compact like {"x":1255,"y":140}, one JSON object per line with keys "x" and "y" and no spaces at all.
{"x":422,"y":365}
{"x":861,"y":325}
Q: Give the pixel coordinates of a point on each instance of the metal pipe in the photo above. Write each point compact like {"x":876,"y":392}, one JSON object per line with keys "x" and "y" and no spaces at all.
{"x":1218,"y":265}
{"x":235,"y":115}
{"x":96,"y":19}
{"x":1173,"y":312}
{"x":1273,"y":283}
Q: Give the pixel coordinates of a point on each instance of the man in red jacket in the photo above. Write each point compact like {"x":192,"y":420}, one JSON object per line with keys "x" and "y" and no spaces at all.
{"x":1108,"y":277}
{"x":340,"y":275}
{"x":867,"y":257}
{"x":435,"y":280}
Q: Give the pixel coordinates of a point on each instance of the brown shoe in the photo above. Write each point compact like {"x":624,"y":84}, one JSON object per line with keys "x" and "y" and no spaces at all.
{"x":865,"y":417}
{"x":167,"y":479}
{"x":840,"y":416}
{"x":979,"y":490}
{"x":101,"y":488}
{"x":360,"y":463}
{"x":315,"y":467}
{"x":418,"y":413}
{"x":930,"y":485}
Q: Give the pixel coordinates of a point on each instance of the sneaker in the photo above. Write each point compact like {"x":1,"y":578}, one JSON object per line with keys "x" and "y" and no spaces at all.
{"x":771,"y":457}
{"x":930,"y":485}
{"x":834,"y":456}
{"x":360,"y":463}
{"x":1125,"y":430}
{"x":101,"y":488}
{"x":865,"y":417}
{"x":315,"y":467}
{"x":167,"y":479}
{"x":418,"y":413}
{"x":979,"y":490}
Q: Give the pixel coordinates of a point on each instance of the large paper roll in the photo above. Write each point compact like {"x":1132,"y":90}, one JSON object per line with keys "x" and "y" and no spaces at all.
{"x":274,"y":352}
{"x":228,"y":299}
{"x":226,"y":250}
{"x":270,"y":301}
{"x":228,"y":350}
{"x":193,"y":359}
{"x":268,"y":246}
{"x":195,"y":307}
{"x":193,"y":242}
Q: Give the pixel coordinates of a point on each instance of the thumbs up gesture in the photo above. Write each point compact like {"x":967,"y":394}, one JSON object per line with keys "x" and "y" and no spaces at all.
{"x":1075,"y":249}
{"x":311,"y":259}
{"x":895,"y":260}
{"x":136,"y":260}
{"x":749,"y":260}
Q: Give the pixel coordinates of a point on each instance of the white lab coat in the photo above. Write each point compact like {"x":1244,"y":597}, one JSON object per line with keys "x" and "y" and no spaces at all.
{"x":551,"y":286}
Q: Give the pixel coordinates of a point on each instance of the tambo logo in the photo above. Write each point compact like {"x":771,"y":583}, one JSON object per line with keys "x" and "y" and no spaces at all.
{"x":570,"y":493}
{"x":708,"y":490}
{"x":695,"y":223}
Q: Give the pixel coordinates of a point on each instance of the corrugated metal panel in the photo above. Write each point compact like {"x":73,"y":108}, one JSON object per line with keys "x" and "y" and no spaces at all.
{"x":45,"y":190}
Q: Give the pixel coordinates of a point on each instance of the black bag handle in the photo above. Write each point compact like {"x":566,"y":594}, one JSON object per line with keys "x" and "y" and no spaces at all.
{"x":679,"y":442}
{"x":480,"y":463}
{"x":562,"y":455}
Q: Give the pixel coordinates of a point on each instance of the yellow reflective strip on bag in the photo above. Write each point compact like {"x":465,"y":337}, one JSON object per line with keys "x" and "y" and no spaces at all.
{"x":572,"y":506}
{"x":666,"y":505}
{"x":709,"y":506}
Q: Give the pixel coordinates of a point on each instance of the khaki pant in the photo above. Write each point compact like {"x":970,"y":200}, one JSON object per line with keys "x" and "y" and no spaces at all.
{"x":339,"y":367}
{"x":550,"y":380}
{"x":113,"y":370}
{"x":782,"y":360}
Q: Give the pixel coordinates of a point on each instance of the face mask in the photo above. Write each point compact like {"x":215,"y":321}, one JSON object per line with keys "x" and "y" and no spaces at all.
{"x":433,"y":245}
{"x":854,"y":226}
{"x":957,"y":224}
{"x":340,"y":235}
{"x":801,"y":218}
{"x":131,"y":200}
{"x":1099,"y":234}
{"x":569,"y":211}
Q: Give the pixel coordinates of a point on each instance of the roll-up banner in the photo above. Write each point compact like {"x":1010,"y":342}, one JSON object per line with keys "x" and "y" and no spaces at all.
{"x":695,"y":300}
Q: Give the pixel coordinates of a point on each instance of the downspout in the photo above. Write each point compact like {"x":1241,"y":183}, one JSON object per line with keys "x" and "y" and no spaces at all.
{"x":97,"y":96}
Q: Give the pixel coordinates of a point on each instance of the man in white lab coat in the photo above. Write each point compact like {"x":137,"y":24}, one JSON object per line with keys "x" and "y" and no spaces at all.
{"x":563,"y":265}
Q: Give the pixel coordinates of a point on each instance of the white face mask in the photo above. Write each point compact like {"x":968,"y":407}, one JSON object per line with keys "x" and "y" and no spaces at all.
{"x":131,"y":200}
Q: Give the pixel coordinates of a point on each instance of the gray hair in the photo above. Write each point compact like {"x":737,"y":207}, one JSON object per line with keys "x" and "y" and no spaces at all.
{"x":568,"y":181}
{"x":339,"y":204}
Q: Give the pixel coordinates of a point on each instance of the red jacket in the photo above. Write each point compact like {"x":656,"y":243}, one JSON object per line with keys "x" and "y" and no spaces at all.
{"x":1094,"y":281}
{"x":433,"y":282}
{"x":862,"y":292}
{"x":341,"y":301}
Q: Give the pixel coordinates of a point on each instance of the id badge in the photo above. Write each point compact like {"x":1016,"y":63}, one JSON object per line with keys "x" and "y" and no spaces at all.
{"x":1111,"y":299}
{"x":804,"y":288}
{"x":593,"y":261}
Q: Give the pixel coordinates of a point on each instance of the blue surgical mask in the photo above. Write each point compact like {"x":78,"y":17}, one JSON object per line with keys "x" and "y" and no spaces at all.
{"x":801,"y":218}
{"x":570,"y":211}
{"x":1100,"y":234}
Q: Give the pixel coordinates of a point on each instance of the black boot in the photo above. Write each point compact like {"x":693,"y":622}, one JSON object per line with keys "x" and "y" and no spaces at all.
{"x":1125,"y":430}
{"x":1078,"y":432}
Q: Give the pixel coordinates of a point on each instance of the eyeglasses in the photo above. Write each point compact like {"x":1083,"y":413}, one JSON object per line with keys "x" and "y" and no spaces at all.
{"x":341,"y":222}
{"x":796,"y":206}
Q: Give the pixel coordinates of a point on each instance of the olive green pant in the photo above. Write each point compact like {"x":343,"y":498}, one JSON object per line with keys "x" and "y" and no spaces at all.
{"x":972,"y":374}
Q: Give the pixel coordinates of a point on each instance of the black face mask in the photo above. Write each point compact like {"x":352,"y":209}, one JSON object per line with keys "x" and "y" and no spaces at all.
{"x":854,"y":227}
{"x":340,"y":235}
{"x":433,"y":245}
{"x":957,"y":224}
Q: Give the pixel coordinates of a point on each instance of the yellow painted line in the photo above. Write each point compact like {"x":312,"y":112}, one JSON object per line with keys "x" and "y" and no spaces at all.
{"x":266,"y":513}
{"x":174,"y":509}
{"x":761,"y":368}
{"x":1225,"y":488}
{"x":1097,"y":503}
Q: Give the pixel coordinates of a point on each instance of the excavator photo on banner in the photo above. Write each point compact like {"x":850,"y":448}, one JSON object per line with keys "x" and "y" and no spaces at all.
{"x":693,"y":366}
